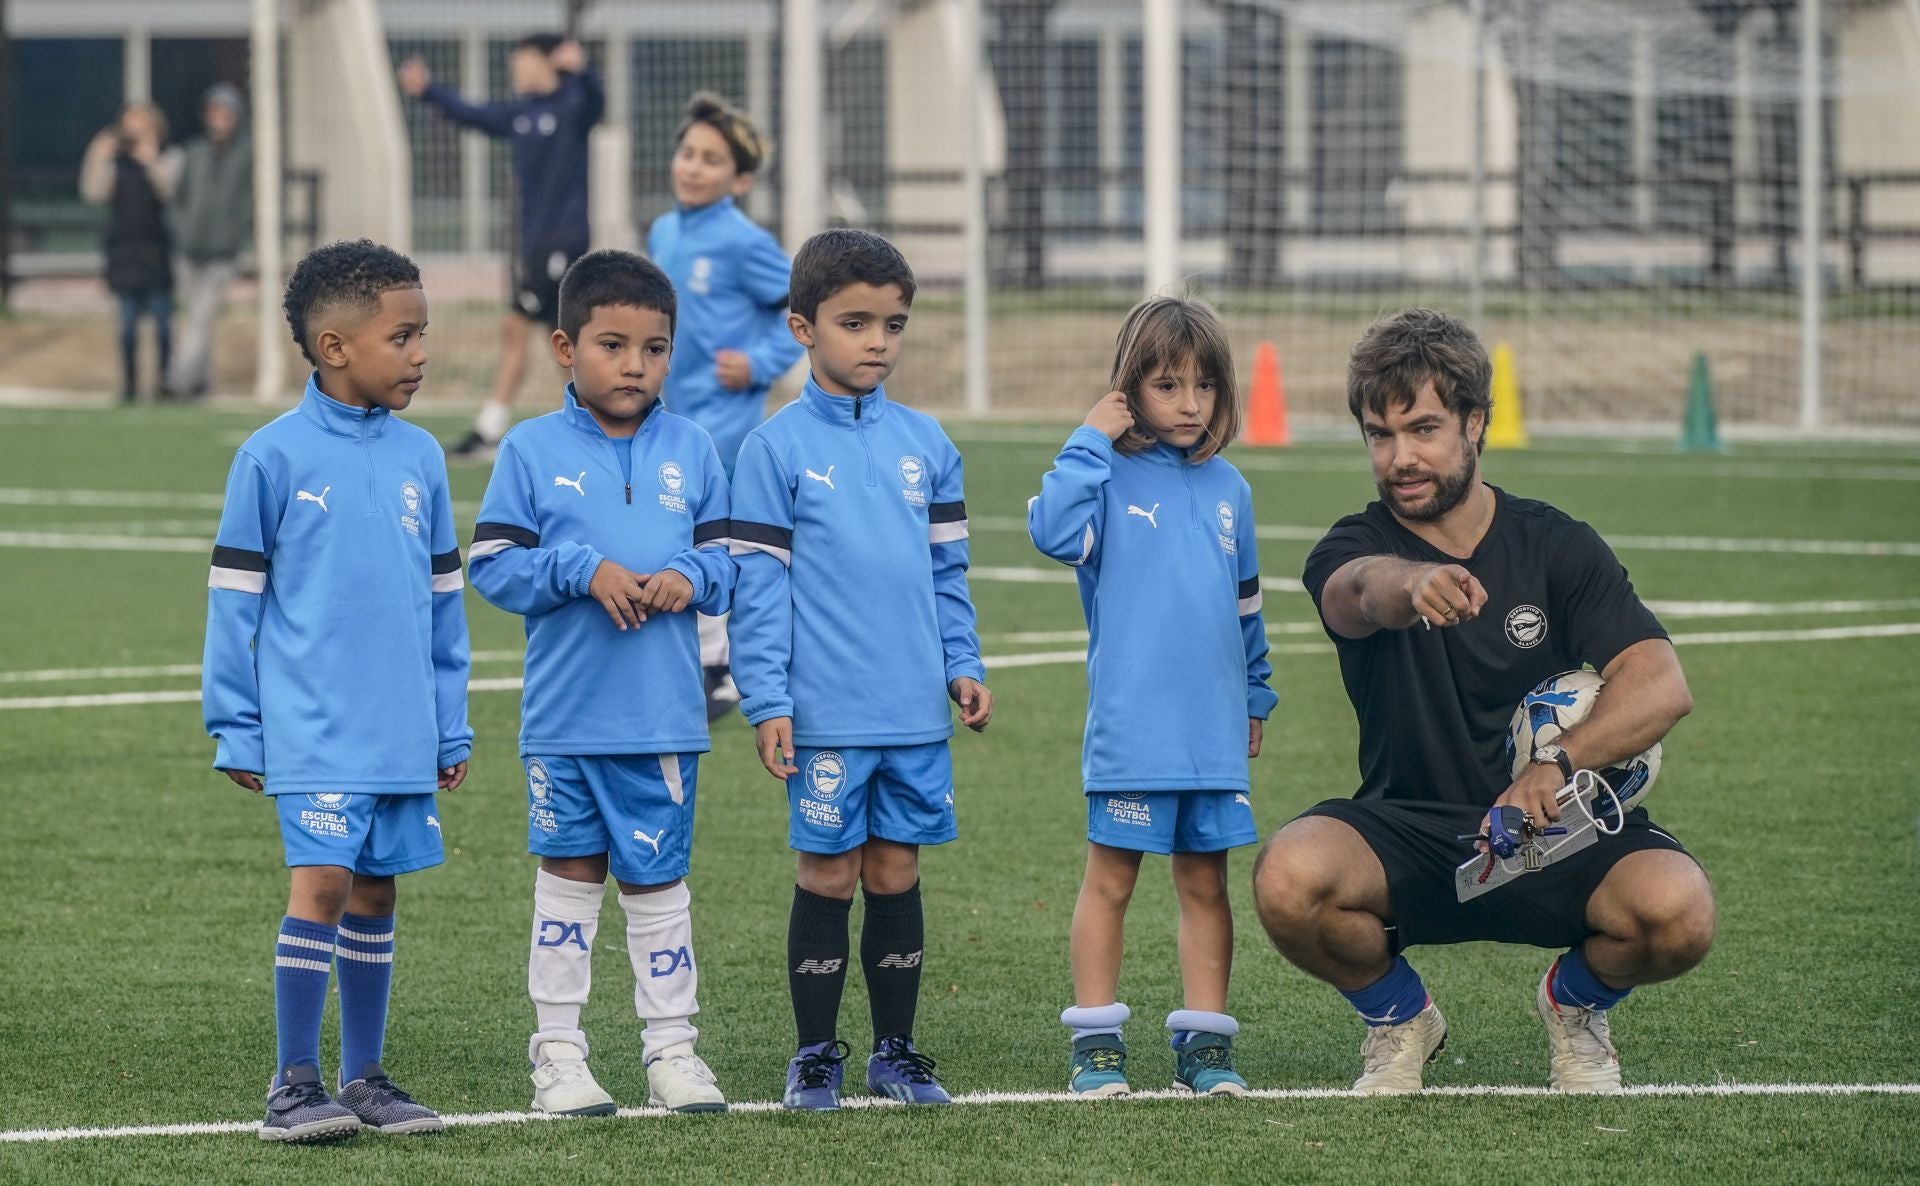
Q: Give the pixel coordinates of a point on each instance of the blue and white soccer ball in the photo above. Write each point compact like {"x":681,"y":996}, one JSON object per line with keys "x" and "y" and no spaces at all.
{"x":1558,"y":704}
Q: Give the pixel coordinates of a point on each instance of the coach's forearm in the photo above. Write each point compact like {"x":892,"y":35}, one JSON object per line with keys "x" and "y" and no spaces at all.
{"x":1383,"y":591}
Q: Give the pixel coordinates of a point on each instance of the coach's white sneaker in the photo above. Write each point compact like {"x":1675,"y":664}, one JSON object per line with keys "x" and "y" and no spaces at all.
{"x":562,"y":1085}
{"x":1584,"y":1059}
{"x":1395,"y":1055}
{"x":680,"y":1082}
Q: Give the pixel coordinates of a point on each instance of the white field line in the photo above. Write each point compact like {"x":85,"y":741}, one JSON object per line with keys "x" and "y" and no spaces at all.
{"x":71,"y":675}
{"x":1632,"y":543}
{"x":991,"y":1098}
{"x":1560,"y":464}
{"x":89,"y":537}
{"x":513,"y":683}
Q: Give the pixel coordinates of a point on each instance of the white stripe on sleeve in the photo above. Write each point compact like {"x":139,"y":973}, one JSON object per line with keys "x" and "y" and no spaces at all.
{"x":240,"y":580}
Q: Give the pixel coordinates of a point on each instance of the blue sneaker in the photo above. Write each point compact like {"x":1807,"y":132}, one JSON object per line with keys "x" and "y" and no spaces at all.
{"x":1203,"y":1064}
{"x":1099,"y":1067}
{"x":300,"y":1112}
{"x":813,"y":1077}
{"x":900,"y":1072}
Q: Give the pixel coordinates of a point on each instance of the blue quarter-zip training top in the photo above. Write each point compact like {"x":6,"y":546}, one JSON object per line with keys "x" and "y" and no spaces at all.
{"x":731,"y":278}
{"x":1169,"y":580}
{"x":336,"y":655}
{"x":851,"y":614}
{"x":563,"y":496}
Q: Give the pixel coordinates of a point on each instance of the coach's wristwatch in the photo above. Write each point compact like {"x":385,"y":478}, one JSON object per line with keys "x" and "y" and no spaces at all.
{"x":1551,"y":753}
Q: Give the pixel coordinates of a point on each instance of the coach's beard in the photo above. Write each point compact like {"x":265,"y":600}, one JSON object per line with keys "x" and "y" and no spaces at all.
{"x":1449,"y":489}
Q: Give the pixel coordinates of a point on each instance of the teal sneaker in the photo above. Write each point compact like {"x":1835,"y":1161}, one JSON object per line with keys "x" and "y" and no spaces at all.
{"x":1099,"y":1066}
{"x":1203,"y":1064}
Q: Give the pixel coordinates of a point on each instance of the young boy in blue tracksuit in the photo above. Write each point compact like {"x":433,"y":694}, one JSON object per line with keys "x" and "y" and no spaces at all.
{"x":731,"y":342}
{"x":851,"y":626}
{"x":1159,"y":531}
{"x":603,"y":523}
{"x":336,"y":669}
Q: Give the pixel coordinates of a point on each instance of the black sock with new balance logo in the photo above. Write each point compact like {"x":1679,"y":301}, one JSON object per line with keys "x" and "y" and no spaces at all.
{"x":891,"y":943}
{"x":817,"y":963}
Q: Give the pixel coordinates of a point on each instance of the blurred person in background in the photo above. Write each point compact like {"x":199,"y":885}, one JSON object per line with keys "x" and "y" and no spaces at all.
{"x":557,"y":100}
{"x":129,"y":170}
{"x":213,"y":224}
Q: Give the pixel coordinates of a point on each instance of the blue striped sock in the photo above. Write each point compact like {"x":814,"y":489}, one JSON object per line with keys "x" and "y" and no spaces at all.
{"x":1394,"y":999}
{"x":302,"y":957}
{"x":366,"y":972}
{"x":1572,"y":982}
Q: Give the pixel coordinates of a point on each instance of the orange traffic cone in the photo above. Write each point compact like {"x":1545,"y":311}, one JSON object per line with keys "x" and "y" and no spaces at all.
{"x":1267,"y":400}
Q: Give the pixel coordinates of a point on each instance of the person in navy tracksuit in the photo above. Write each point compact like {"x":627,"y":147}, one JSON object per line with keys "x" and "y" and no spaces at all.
{"x":557,"y":101}
{"x":731,"y":341}
{"x":851,"y":627}
{"x":602,"y":525}
{"x":1158,"y":528}
{"x":335,"y":674}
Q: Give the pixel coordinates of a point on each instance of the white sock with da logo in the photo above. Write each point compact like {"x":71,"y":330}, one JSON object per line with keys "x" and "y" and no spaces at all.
{"x":665,"y":981}
{"x":560,"y":958}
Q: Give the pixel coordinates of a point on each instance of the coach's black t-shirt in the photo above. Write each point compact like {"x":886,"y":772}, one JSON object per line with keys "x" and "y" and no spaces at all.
{"x":1434,"y":705}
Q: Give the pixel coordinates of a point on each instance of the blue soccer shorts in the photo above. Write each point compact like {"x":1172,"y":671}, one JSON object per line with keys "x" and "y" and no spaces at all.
{"x":1171,"y":821}
{"x":843,"y":797}
{"x":374,"y":835}
{"x":636,"y":808}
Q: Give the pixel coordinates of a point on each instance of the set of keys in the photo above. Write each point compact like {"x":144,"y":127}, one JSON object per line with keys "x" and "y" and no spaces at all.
{"x":1516,"y":846}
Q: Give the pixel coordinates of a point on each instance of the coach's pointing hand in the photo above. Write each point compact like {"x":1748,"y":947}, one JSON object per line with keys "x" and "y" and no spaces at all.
{"x":1447,"y":595}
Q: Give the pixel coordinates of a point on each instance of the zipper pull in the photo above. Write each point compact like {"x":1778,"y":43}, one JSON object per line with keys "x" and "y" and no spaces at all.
{"x":629,"y":494}
{"x":856,"y":406}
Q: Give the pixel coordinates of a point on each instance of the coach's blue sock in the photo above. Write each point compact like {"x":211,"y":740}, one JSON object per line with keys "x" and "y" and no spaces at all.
{"x":366,"y":972}
{"x":302,"y":957}
{"x":1394,"y":999}
{"x":1572,"y":982}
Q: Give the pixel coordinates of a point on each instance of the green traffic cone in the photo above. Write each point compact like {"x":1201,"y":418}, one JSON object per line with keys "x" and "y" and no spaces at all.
{"x":1701,"y":431}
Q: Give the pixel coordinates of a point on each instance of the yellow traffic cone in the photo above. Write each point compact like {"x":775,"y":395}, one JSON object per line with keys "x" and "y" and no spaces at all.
{"x":1508,"y":429}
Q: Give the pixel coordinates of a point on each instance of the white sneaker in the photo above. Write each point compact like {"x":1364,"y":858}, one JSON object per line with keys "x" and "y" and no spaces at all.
{"x":1584,"y":1059}
{"x":562,"y":1085}
{"x":680,"y":1082}
{"x":1395,"y":1055}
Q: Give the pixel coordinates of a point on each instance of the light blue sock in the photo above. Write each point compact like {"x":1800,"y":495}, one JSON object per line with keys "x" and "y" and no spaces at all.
{"x":366,"y":973}
{"x":1095,"y":1019}
{"x":302,"y":957}
{"x":1572,"y":982}
{"x":1186,"y":1022}
{"x":1394,"y":999}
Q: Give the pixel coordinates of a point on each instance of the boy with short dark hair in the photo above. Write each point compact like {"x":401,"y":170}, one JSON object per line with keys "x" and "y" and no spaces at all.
{"x":336,"y":669}
{"x":846,"y":503}
{"x":602,"y":524}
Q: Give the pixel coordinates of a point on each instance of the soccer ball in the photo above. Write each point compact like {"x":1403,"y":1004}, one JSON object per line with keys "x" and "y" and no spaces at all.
{"x":1560,"y":703}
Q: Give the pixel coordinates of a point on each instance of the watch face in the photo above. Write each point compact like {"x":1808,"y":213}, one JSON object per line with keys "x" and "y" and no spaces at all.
{"x":1547,"y":753}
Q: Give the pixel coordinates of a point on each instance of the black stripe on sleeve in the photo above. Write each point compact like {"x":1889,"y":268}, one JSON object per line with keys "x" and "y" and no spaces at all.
{"x":947,"y":512}
{"x":239,"y":558}
{"x":706,"y":533}
{"x":446,"y":562}
{"x":762,"y":533}
{"x":505,"y":531}
{"x":1250,"y":586}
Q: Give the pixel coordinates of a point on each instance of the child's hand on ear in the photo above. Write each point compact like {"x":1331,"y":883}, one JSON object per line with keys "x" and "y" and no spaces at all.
{"x":1111,"y":415}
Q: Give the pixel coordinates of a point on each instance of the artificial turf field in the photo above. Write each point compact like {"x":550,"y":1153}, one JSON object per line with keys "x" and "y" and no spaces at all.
{"x":143,"y":890}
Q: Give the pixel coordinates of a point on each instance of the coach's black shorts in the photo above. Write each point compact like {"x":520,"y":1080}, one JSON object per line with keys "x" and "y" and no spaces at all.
{"x":536,"y":285}
{"x":1416,"y":843}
